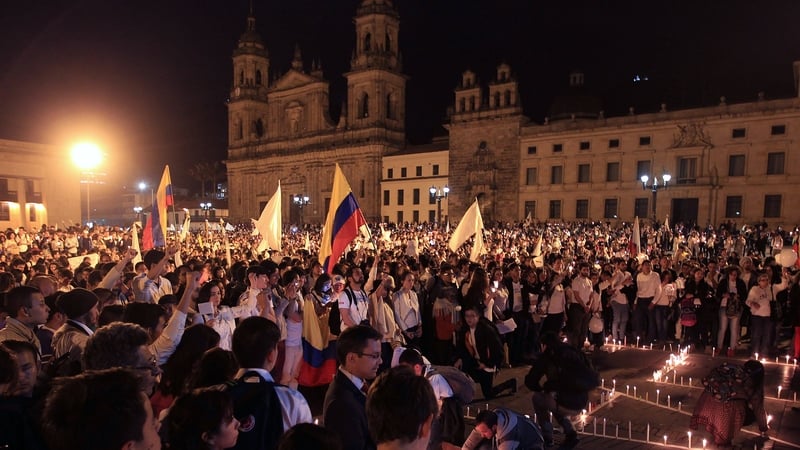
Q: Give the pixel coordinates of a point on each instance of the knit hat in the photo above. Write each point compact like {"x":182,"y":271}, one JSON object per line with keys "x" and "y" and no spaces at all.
{"x":76,"y":302}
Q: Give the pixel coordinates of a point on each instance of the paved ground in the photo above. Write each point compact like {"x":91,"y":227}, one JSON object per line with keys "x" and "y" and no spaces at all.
{"x":622,"y":422}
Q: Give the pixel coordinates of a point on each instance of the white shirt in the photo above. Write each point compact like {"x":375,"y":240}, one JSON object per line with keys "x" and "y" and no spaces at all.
{"x":294,"y":406}
{"x":164,"y":345}
{"x":357,"y":308}
{"x":146,"y":290}
{"x":648,"y":285}
{"x":583,"y":287}
{"x":406,"y":309}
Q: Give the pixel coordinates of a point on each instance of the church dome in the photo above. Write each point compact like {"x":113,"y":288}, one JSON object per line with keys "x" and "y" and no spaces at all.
{"x":576,"y":101}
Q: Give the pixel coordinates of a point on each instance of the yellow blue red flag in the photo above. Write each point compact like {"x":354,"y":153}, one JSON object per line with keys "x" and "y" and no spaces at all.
{"x":343,"y":223}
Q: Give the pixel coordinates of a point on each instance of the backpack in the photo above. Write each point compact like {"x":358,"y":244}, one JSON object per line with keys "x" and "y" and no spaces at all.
{"x":335,"y":319}
{"x":726,"y":382}
{"x":258,"y":409}
{"x":688,"y":313}
{"x":461,"y":384}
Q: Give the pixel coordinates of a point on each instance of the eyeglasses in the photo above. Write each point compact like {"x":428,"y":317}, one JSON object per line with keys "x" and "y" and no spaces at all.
{"x":152,"y":367}
{"x":370,"y":355}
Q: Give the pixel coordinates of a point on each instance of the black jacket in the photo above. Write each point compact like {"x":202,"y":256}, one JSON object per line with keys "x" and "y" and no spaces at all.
{"x":487,"y":343}
{"x":344,"y":412}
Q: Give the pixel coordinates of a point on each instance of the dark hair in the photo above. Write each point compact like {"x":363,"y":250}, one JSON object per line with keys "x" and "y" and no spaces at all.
{"x":321,"y":280}
{"x":19,"y":297}
{"x":145,"y":315}
{"x":95,"y":277}
{"x":153,"y":257}
{"x":22,"y":346}
{"x":253,"y":340}
{"x":103,"y":295}
{"x":216,"y":366}
{"x":204,"y":295}
{"x":198,"y":413}
{"x":114,"y":345}
{"x":196,"y":340}
{"x":355,"y":340}
{"x":109,"y":314}
{"x":9,"y":372}
{"x":411,"y":357}
{"x":398,"y":404}
{"x":108,"y":401}
{"x":305,"y":436}
{"x":486,"y":417}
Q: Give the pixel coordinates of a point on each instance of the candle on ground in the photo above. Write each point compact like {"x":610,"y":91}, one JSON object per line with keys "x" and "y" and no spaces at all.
{"x":705,"y":442}
{"x":669,"y":402}
{"x":680,"y":405}
{"x":627,"y":389}
{"x":637,"y":341}
{"x":634,"y":392}
{"x":630,"y":433}
{"x":647,"y":396}
{"x":658,"y":394}
{"x":616,"y":432}
{"x":648,"y":433}
{"x":603,"y":383}
{"x":779,"y":391}
{"x":604,"y":426}
{"x":690,"y":439}
{"x":665,"y":440}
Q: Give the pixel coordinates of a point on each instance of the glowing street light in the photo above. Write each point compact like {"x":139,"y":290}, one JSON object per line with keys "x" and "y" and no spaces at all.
{"x":87,"y":156}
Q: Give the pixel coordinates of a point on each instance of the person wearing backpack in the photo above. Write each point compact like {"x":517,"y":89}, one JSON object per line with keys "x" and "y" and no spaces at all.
{"x":447,"y":430}
{"x":354,"y":304}
{"x":561,"y":380}
{"x":264,"y":408}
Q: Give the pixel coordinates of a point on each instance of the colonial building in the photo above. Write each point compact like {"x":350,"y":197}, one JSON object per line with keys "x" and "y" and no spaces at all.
{"x":38,"y":186}
{"x":282,"y":130}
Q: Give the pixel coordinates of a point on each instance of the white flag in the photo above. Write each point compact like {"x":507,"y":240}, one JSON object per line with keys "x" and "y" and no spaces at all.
{"x":186,"y":224}
{"x":471,"y":223}
{"x":538,"y":257}
{"x":269,"y":225}
{"x":478,"y":247}
{"x":637,"y":237}
{"x":135,"y":243}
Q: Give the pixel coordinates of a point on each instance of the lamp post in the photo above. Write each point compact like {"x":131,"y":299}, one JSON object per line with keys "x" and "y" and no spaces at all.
{"x":655,"y":187}
{"x":142,"y":187}
{"x":138,"y":211}
{"x":87,"y":156}
{"x":300,"y":200}
{"x":206,"y":207}
{"x":438,"y":194}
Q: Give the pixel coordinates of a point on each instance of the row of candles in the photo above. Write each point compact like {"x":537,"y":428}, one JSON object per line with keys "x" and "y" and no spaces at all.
{"x":647,"y":440}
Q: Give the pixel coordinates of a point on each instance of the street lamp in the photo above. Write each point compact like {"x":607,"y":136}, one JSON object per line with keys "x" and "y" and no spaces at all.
{"x":206,"y":207}
{"x":655,"y":187}
{"x":138,"y":211}
{"x":142,"y":187}
{"x":87,"y":156}
{"x":438,"y":194}
{"x":301,"y":200}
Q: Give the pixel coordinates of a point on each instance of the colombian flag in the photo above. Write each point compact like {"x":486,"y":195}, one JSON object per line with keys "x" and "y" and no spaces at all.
{"x":343,"y":223}
{"x":319,"y":352}
{"x":155,"y":231}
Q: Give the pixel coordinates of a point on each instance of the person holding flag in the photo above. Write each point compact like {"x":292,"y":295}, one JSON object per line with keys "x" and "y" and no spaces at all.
{"x":343,"y":224}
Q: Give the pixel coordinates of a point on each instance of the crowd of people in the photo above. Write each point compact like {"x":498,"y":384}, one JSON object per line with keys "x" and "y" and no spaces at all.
{"x":83,"y":313}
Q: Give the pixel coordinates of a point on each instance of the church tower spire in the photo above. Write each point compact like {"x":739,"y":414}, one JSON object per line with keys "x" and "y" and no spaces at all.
{"x":376,"y":88}
{"x":247,"y":107}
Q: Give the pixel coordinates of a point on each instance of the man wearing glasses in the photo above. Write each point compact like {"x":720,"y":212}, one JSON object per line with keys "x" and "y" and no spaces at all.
{"x":358,"y":352}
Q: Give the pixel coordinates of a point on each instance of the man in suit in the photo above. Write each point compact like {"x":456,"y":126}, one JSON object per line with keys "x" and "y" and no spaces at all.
{"x":480,"y":353}
{"x":358,"y":352}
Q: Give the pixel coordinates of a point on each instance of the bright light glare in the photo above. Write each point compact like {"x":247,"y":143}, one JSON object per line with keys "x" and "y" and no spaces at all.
{"x":142,"y":185}
{"x":86,"y":155}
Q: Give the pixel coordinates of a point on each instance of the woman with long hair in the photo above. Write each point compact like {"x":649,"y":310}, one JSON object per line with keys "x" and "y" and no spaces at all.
{"x":202,"y":419}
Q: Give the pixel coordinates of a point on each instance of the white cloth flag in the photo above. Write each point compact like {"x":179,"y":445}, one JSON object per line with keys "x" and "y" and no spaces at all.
{"x":478,"y":247}
{"x":269,"y":225}
{"x":471,"y":223}
{"x":187,"y":222}
{"x":637,"y":236}
{"x":135,"y":243}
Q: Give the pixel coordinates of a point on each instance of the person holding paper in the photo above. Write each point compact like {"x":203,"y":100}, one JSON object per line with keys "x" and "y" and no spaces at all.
{"x":480,"y":352}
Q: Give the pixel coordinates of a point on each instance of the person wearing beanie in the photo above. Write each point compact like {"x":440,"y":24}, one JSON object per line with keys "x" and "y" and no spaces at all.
{"x":81,"y":308}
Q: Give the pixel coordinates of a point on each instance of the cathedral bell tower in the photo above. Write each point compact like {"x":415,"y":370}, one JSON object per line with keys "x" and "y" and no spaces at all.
{"x":247,"y":107}
{"x":376,"y":89}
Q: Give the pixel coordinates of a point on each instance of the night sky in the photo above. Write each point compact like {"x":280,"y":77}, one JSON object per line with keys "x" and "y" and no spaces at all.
{"x":148,"y":80}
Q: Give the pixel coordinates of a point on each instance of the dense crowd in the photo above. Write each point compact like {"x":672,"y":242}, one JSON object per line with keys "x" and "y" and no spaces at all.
{"x":83,"y":313}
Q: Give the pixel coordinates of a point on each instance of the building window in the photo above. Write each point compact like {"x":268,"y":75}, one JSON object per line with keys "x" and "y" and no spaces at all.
{"x":733,"y":206}
{"x":613,"y":143}
{"x":778,"y":130}
{"x":557,"y":175}
{"x":5,"y":212}
{"x":399,"y":216}
{"x":258,"y":78}
{"x":644,"y":140}
{"x":497,"y":99}
{"x":775,"y":163}
{"x":738,"y":133}
{"x":361,"y":188}
{"x":400,"y":197}
{"x":403,"y":172}
{"x":687,"y":170}
{"x":431,"y":199}
{"x":389,"y":106}
{"x":386,"y":196}
{"x":555,"y":209}
{"x":416,"y":196}
{"x":462,"y":104}
{"x":531,"y":149}
{"x":584,"y":145}
{"x":583,"y":173}
{"x":435,"y":169}
{"x":507,"y":98}
{"x":612,"y":171}
{"x":642,"y":168}
{"x":641,"y":206}
{"x":415,"y":216}
{"x":390,"y":173}
{"x":364,"y":106}
{"x":772,"y":206}
{"x":610,"y":208}
{"x":530,"y":209}
{"x":32,"y":213}
{"x":558,"y":148}
{"x":431,"y":216}
{"x":419,"y":171}
{"x":472,"y":103}
{"x":582,"y":209}
{"x":531,"y":175}
{"x":736,"y":166}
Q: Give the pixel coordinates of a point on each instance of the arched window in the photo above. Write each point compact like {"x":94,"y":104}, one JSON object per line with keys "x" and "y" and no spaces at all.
{"x":508,"y":98}
{"x":472,"y":103}
{"x":462,"y":104}
{"x":388,"y":43}
{"x":496,"y":99}
{"x":367,"y":42}
{"x":390,"y":107}
{"x":258,"y":128}
{"x":239,"y":130}
{"x":258,"y":78}
{"x":363,"y":109}
{"x":241,"y":77}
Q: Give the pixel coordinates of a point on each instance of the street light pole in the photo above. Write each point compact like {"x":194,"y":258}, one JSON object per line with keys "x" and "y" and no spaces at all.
{"x":87,"y":156}
{"x":301,"y":200}
{"x":655,"y":187}
{"x":138,"y":211}
{"x":438,"y":194}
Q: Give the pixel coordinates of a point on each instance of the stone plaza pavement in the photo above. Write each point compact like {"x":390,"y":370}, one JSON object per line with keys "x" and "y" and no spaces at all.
{"x":640,"y":412}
